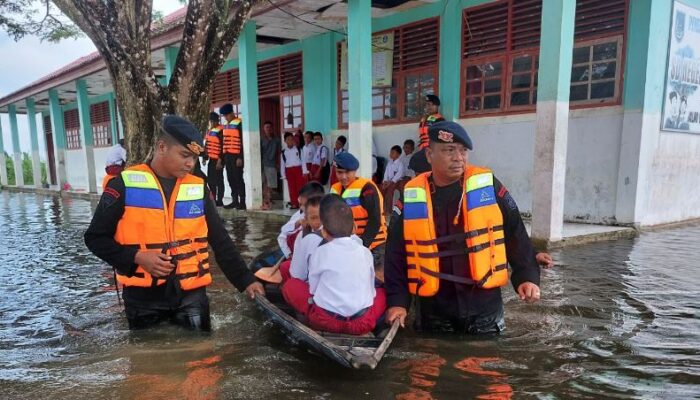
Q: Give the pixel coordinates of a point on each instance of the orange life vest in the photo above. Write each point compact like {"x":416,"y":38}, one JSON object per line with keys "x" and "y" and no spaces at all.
{"x":483,"y":235}
{"x":423,"y":126}
{"x":214,"y":143}
{"x":178,"y":229}
{"x":352,"y":195}
{"x":232,"y":137}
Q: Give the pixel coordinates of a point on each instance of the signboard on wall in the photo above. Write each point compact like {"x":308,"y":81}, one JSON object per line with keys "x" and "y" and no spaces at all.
{"x":681,"y":111}
{"x":382,"y":61}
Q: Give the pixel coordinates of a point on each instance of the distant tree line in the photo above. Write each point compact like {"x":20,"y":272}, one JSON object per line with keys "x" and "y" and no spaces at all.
{"x":27,"y":170}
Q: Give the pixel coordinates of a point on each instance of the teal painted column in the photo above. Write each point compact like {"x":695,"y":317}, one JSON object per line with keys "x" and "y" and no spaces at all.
{"x":248,"y":73}
{"x":319,"y":77}
{"x":113,"y":119}
{"x":360,"y":83}
{"x":3,"y":165}
{"x":17,"y":153}
{"x":36,"y":159}
{"x":58,"y":132}
{"x":450,"y":58}
{"x":170,"y":59}
{"x":551,"y":134}
{"x":86,"y":134}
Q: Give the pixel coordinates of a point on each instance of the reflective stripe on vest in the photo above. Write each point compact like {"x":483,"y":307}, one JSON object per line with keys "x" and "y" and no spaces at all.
{"x":214,"y":143}
{"x":178,"y":229}
{"x":232,"y":137}
{"x":352,"y":196}
{"x":483,"y":235}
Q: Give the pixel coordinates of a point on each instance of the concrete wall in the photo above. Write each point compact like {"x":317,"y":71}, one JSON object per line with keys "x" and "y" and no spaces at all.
{"x":76,"y":175}
{"x":506,"y":145}
{"x":100,"y":157}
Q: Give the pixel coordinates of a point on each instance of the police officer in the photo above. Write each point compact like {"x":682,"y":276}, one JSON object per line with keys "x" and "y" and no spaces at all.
{"x":454,"y":232}
{"x":214,"y":155}
{"x":233,"y":156}
{"x":154,"y":224}
{"x":432,"y":115}
{"x":366,"y":202}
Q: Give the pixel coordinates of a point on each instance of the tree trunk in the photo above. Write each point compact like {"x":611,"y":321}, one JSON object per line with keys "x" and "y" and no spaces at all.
{"x":121,"y":32}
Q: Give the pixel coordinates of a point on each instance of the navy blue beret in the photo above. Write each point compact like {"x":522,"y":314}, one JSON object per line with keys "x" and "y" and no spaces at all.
{"x":346,"y":161}
{"x":184,"y":132}
{"x":449,"y":132}
{"x":226,"y":109}
{"x":214,"y":117}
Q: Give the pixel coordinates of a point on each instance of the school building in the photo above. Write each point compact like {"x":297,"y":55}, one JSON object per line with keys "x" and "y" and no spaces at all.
{"x":562,"y":98}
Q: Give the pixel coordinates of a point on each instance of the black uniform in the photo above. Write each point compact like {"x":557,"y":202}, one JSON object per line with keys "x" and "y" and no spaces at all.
{"x":215,"y":177}
{"x":146,"y":306}
{"x":458,"y":307}
{"x":234,"y":175}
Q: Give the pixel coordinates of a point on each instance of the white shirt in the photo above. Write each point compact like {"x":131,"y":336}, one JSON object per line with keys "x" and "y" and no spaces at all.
{"x":406,"y":160}
{"x":321,"y":153}
{"x":286,"y":230}
{"x":115,"y":156}
{"x":308,"y":152}
{"x":291,"y":157}
{"x":394,"y":171}
{"x":304,"y":247}
{"x":341,"y":276}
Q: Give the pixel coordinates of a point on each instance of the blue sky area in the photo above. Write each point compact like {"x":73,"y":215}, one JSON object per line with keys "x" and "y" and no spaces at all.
{"x":31,"y":59}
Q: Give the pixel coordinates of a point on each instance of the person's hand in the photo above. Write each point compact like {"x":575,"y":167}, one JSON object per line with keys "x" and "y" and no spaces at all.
{"x":544,"y":259}
{"x":394,"y":313}
{"x":219,"y":165}
{"x":253,"y":289}
{"x":529,"y":292}
{"x":155,"y":263}
{"x":239,"y":162}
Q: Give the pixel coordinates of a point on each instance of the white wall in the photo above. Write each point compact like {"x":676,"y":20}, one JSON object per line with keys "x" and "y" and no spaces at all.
{"x":100,"y":157}
{"x":76,"y":171}
{"x":506,"y":145}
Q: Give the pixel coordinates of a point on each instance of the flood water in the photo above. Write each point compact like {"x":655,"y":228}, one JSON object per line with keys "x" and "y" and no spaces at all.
{"x":617,"y":320}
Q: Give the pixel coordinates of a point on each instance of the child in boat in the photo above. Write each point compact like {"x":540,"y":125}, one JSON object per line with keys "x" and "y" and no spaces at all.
{"x":340,"y":296}
{"x":288,"y":232}
{"x":306,"y":241}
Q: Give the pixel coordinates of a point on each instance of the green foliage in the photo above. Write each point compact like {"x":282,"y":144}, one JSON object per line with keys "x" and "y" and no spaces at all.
{"x":10,"y":169}
{"x":40,"y":18}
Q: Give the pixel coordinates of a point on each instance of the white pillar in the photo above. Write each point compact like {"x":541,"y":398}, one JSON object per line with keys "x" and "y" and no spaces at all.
{"x":36,"y":159}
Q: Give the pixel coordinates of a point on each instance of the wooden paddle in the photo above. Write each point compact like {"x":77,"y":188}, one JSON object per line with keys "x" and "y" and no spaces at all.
{"x":271,"y":274}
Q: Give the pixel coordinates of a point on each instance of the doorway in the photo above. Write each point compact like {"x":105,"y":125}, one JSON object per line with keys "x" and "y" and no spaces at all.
{"x":269,"y":108}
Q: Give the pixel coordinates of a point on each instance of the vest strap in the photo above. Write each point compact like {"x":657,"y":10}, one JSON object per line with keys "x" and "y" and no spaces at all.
{"x":461,"y":279}
{"x":457,"y":237}
{"x":460,"y":251}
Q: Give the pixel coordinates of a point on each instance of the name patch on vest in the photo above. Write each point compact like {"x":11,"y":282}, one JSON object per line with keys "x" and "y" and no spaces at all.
{"x":189,"y":209}
{"x":481,"y":197}
{"x":137,"y":178}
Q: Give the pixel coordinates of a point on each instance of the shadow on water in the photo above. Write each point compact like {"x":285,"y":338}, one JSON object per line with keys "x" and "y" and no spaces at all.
{"x":618,"y":319}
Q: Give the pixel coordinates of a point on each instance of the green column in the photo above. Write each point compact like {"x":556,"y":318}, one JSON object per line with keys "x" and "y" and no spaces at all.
{"x":170,"y":59}
{"x":14,"y":131}
{"x":86,"y":134}
{"x":554,"y":79}
{"x":319,"y":76}
{"x":248,"y":71}
{"x":450,"y":58}
{"x":36,"y":159}
{"x":360,"y":83}
{"x":3,"y":166}
{"x":58,"y":132}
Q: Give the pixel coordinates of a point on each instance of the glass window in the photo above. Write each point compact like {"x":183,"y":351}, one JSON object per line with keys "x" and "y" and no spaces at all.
{"x":595,"y":74}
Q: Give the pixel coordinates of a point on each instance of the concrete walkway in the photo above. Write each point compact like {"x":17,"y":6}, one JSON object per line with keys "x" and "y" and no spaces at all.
{"x":573,"y":233}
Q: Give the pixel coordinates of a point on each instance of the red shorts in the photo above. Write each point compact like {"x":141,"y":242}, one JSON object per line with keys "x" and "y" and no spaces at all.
{"x":296,"y":293}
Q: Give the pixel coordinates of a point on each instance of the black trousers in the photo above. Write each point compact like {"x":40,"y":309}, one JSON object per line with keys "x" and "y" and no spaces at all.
{"x":429,"y":320}
{"x":215,"y":180}
{"x":192,"y":311}
{"x":234,"y":174}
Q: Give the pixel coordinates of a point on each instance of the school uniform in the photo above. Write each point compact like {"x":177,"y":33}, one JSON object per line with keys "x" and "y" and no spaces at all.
{"x":406,"y":160}
{"x":307,"y":155}
{"x":298,"y":267}
{"x":320,"y":154}
{"x":339,"y":296}
{"x":393,"y":173}
{"x":288,"y":233}
{"x":293,"y":173}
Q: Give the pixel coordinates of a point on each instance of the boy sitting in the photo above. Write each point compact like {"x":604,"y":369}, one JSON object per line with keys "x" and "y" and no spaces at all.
{"x":340,"y":296}
{"x":393,"y":173}
{"x":306,"y":241}
{"x":288,"y":232}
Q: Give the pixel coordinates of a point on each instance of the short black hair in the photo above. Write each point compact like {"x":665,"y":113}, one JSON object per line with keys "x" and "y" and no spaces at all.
{"x":309,"y":133}
{"x":311,"y":189}
{"x":342,"y":139}
{"x":287,"y":134}
{"x":336,"y":216}
{"x":409,"y":142}
{"x":318,"y":134}
{"x":268,"y":122}
{"x":314,"y":200}
{"x":396,"y":148}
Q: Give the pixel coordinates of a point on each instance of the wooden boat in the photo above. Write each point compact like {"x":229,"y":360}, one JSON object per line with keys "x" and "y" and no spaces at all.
{"x":351,"y":351}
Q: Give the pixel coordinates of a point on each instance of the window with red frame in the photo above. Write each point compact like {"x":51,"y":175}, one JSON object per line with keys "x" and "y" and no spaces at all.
{"x":101,"y":124}
{"x":500,"y":58}
{"x":415,"y":75}
{"x":227,"y":89}
{"x":71,"y":123}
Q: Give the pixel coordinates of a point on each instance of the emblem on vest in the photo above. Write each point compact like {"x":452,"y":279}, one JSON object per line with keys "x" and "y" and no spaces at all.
{"x":195,"y":210}
{"x":485,"y":196}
